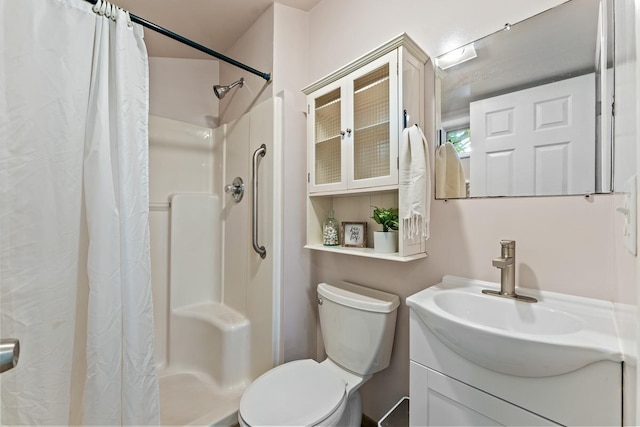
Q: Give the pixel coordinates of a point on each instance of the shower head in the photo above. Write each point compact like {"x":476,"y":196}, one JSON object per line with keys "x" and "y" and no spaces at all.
{"x":221,"y":91}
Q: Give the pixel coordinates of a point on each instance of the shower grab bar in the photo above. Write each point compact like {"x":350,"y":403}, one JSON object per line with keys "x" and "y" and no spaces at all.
{"x":260,"y":152}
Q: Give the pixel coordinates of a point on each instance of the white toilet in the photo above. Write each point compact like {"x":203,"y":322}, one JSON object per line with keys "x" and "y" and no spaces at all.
{"x":358,"y":325}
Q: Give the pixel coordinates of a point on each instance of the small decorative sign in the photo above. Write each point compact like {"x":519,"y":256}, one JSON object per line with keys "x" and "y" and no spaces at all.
{"x":354,"y":234}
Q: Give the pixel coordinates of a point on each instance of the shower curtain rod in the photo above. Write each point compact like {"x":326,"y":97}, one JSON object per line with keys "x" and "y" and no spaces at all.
{"x":191,"y":43}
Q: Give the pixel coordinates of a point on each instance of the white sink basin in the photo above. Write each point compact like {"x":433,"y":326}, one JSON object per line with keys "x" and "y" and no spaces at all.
{"x":558,"y":334}
{"x":501,"y":314}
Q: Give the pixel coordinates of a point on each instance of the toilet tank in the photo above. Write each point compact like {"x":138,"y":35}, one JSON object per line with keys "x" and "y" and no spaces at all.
{"x":358,"y":325}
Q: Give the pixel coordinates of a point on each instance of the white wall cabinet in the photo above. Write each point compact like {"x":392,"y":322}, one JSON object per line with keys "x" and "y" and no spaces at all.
{"x":355,"y":120}
{"x":353,"y":129}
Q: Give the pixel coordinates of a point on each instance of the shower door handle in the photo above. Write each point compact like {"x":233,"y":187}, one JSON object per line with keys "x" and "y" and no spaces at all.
{"x":260,"y":152}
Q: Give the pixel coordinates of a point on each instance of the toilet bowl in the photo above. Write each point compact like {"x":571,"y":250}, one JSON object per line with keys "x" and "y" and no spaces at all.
{"x":300,"y":393}
{"x":358,"y":325}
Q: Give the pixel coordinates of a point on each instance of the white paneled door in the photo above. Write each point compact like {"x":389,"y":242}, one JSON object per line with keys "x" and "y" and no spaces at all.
{"x":537,"y":141}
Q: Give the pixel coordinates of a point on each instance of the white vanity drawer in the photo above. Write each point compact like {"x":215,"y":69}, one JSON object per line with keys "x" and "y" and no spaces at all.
{"x":438,"y":400}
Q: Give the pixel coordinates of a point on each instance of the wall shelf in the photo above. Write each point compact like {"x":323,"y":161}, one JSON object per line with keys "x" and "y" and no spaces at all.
{"x":345,"y":193}
{"x":367,"y":253}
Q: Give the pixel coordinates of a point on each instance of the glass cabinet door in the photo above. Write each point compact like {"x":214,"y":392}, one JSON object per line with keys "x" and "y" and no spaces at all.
{"x":375,"y":134}
{"x":354,"y":129}
{"x":327,"y":157}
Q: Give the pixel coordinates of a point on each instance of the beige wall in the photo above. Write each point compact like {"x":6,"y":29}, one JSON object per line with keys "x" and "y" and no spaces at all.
{"x":565,"y":244}
{"x":635,"y":319}
{"x":289,"y":75}
{"x":182,"y":89}
{"x":291,"y":53}
{"x":298,"y":296}
{"x":340,"y":31}
{"x":627,"y":108}
{"x":254,"y":48}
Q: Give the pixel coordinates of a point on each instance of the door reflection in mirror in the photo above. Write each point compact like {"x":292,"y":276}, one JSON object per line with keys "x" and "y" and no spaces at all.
{"x":532,"y":103}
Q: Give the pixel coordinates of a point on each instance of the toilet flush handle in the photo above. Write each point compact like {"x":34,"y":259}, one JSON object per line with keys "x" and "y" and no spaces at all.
{"x":319,"y":301}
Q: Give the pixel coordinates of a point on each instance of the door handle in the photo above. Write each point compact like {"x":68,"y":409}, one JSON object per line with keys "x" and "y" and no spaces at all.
{"x":9,"y":353}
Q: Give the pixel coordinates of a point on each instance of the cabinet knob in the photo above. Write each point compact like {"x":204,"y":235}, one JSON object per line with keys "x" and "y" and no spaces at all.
{"x":343,"y":132}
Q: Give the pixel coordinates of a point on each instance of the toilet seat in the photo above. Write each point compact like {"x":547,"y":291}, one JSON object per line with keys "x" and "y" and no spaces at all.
{"x":301,"y":393}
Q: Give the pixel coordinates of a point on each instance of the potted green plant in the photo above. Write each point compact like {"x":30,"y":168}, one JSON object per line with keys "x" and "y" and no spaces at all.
{"x":385,"y":241}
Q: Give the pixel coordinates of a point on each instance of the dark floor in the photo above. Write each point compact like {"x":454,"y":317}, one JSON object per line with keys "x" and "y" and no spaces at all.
{"x":368,"y":422}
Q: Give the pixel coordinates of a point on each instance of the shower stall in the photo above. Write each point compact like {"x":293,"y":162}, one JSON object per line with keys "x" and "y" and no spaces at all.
{"x":216,"y":300}
{"x":79,"y":266}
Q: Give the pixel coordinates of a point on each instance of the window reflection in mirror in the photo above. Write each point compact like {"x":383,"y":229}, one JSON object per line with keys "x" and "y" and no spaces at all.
{"x":529,"y":113}
{"x":461,"y":140}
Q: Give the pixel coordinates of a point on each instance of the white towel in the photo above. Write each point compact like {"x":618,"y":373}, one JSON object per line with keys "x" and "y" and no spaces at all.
{"x":450,"y":183}
{"x":415,"y":183}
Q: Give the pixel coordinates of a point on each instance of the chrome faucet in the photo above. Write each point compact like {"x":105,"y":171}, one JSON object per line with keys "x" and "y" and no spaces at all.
{"x":507,"y":265}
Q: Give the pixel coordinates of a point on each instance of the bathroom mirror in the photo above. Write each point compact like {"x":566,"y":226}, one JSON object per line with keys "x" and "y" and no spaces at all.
{"x":526,"y":111}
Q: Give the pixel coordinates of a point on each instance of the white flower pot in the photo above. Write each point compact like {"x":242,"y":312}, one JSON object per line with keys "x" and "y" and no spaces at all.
{"x":385,"y":241}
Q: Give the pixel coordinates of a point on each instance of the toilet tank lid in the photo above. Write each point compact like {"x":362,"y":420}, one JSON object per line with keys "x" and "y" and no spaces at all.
{"x":360,"y":297}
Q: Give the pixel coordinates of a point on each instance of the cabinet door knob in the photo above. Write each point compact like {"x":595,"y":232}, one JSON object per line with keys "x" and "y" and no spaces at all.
{"x":349,"y":131}
{"x":343,"y":132}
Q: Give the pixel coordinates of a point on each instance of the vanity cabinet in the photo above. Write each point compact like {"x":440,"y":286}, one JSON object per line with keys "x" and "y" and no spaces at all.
{"x":439,"y":400}
{"x":355,"y":120}
{"x":448,"y":389}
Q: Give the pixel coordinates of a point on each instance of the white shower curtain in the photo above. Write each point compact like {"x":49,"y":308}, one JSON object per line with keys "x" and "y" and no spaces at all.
{"x":74,"y":214}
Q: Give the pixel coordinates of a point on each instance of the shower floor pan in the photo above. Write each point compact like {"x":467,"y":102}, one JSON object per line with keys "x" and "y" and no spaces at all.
{"x":184,"y":394}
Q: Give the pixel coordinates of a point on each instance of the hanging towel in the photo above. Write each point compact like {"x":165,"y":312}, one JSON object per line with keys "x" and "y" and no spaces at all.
{"x":414,"y":183}
{"x":450,"y":181}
